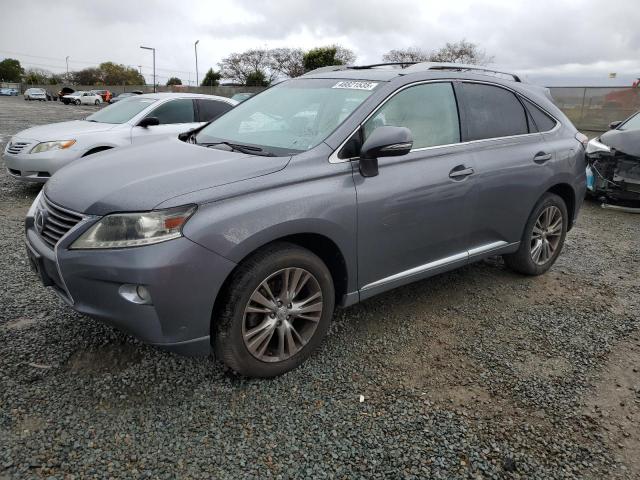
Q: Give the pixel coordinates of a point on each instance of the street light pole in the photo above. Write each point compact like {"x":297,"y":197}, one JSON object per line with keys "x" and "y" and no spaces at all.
{"x":67,"y":60}
{"x":154,"y":65}
{"x":195,"y":46}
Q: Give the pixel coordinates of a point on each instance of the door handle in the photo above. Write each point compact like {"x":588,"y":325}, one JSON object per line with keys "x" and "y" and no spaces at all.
{"x":460,"y":172}
{"x":541,"y":157}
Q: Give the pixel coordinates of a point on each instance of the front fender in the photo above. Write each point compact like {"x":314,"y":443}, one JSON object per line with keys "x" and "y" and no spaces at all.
{"x":323,"y":204}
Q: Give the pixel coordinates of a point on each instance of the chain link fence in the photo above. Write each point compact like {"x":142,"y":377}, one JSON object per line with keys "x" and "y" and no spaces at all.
{"x":592,"y":109}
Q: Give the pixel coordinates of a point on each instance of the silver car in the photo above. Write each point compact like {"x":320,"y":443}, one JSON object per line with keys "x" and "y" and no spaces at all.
{"x":35,"y":94}
{"x":33,"y":155}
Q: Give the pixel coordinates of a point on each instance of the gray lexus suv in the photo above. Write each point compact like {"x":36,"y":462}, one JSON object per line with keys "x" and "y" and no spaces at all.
{"x":242,"y":236}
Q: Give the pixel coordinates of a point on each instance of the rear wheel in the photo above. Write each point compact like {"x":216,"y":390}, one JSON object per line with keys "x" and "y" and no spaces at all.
{"x":275,"y":311}
{"x":97,"y":102}
{"x":543,"y":237}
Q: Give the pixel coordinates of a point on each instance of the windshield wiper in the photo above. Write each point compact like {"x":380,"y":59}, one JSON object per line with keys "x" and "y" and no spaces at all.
{"x":248,"y":149}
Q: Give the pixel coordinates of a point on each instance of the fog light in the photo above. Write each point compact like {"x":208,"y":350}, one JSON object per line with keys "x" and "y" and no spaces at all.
{"x":135,"y":293}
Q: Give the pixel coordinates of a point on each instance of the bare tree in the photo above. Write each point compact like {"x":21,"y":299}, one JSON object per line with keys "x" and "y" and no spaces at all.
{"x":287,"y":61}
{"x":461,"y":52}
{"x":267,"y":65}
{"x":411,"y":54}
{"x":344,"y":55}
{"x":245,"y":65}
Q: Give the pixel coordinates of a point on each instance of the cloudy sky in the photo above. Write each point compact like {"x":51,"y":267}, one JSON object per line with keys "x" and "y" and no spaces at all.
{"x":548,"y":38}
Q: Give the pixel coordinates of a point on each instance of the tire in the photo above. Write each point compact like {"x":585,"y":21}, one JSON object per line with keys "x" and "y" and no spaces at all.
{"x":96,"y":103}
{"x":77,"y":102}
{"x":532,"y":243}
{"x":232,"y":323}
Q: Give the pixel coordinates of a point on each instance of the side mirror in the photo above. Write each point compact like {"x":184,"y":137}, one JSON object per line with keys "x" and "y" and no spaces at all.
{"x":384,"y":142}
{"x":614,"y":125}
{"x":149,"y":122}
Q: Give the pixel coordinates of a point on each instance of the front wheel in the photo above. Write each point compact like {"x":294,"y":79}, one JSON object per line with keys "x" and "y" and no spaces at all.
{"x":77,"y":102}
{"x":543,"y":237}
{"x":275,"y":311}
{"x":97,"y":102}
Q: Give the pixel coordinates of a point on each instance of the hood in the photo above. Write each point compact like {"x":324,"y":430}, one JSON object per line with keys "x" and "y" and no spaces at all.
{"x":139,"y":178}
{"x":63,"y":130}
{"x":624,"y":141}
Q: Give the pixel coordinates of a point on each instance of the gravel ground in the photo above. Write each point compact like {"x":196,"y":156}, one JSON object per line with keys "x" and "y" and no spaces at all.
{"x":478,"y":373}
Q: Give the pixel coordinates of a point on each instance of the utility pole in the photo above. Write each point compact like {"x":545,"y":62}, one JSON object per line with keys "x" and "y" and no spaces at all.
{"x":195,"y":46}
{"x":67,"y":60}
{"x":154,"y":65}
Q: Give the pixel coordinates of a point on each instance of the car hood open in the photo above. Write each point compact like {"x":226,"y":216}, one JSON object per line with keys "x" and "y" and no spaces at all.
{"x":624,"y":141}
{"x":138,"y":178}
{"x":64,"y":130}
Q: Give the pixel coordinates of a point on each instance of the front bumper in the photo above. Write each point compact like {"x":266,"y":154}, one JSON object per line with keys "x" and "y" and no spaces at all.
{"x":38,"y":167}
{"x":182,"y":277}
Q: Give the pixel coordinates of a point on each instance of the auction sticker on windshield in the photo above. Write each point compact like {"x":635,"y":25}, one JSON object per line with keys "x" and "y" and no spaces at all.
{"x":356,"y":85}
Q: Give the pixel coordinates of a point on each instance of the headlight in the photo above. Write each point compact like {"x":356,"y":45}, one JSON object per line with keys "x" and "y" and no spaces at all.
{"x":34,"y":205}
{"x":121,"y":230}
{"x":55,"y":145}
{"x":595,"y":146}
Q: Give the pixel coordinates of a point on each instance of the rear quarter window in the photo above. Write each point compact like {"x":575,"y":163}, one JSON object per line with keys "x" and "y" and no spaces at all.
{"x":543,"y":122}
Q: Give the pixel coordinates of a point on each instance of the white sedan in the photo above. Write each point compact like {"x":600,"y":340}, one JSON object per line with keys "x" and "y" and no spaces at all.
{"x":84,"y":98}
{"x":33,"y":155}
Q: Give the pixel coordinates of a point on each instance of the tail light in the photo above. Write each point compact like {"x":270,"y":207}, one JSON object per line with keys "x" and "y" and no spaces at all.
{"x":582,"y":138}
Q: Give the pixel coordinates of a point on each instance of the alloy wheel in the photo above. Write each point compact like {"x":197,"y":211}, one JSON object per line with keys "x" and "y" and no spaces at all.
{"x":282,"y":314}
{"x":546,"y":235}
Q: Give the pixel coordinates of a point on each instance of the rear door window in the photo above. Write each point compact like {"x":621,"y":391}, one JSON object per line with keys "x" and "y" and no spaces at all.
{"x":211,"y":109}
{"x":429,"y":110}
{"x":492,"y":112}
{"x":175,"y":111}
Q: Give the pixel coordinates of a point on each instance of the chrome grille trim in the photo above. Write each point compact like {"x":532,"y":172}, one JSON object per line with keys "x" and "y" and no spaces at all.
{"x":16,"y":147}
{"x":57,"y":221}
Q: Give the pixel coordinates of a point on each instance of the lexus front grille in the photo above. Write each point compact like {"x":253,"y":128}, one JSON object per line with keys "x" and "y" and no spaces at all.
{"x":53,"y":222}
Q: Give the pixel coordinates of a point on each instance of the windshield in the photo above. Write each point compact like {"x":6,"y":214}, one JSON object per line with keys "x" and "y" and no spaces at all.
{"x":632,"y":124}
{"x":121,"y":112}
{"x":291,"y":117}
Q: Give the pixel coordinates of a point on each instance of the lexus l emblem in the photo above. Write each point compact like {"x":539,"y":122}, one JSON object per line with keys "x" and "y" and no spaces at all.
{"x":39,"y":221}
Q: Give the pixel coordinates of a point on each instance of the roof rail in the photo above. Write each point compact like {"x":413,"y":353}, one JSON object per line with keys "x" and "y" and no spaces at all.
{"x":409,"y":67}
{"x":385,"y":64}
{"x":461,"y":67}
{"x":330,"y":68}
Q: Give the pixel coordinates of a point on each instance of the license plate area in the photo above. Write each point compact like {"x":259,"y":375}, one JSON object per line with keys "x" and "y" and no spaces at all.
{"x":37,"y":265}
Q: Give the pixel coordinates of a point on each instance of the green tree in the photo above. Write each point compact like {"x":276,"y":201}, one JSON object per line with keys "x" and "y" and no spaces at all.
{"x":87,"y":76}
{"x":174,"y":81}
{"x":10,"y":70}
{"x":326,"y":56}
{"x":118,"y":74}
{"x":211,"y":79}
{"x":256,"y":79}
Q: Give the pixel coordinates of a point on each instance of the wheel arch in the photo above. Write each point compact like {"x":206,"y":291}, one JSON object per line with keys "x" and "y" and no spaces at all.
{"x":568,"y":195}
{"x":321,"y":245}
